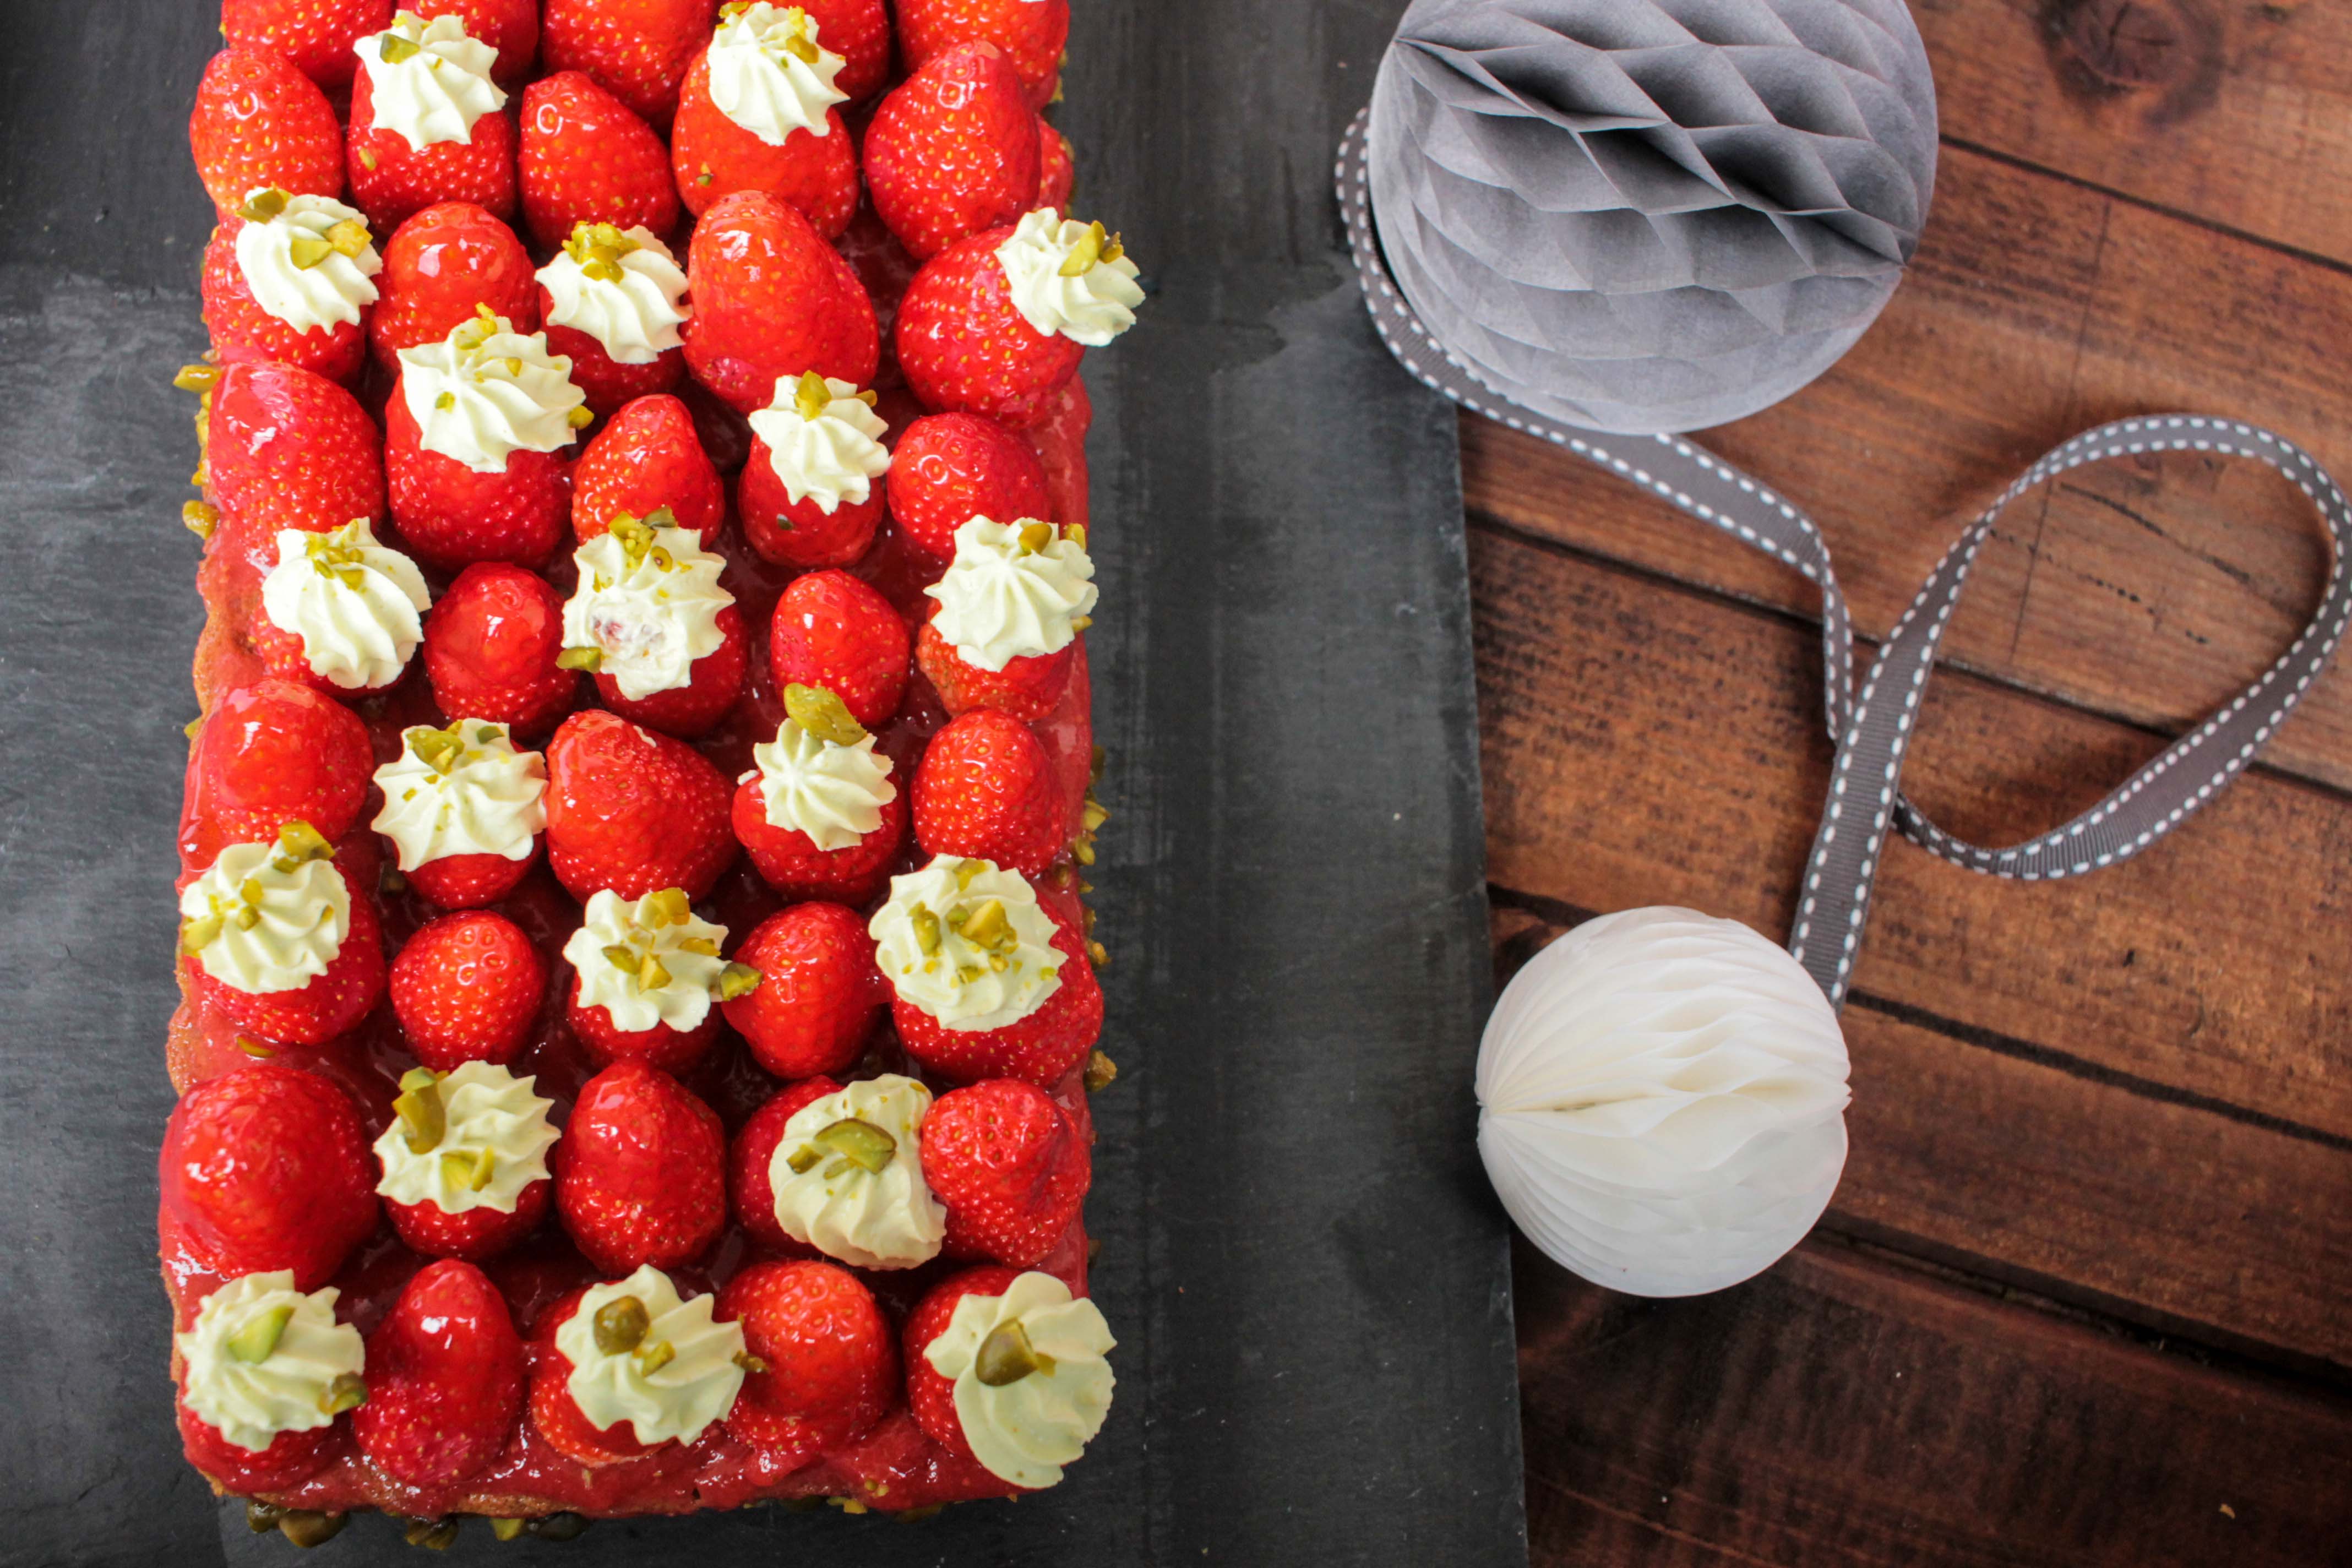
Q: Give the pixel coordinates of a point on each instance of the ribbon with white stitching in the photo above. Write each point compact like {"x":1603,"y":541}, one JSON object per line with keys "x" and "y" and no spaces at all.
{"x":1872,"y":728}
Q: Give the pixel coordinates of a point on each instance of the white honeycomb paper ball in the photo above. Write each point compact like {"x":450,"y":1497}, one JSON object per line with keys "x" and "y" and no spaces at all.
{"x":1662,"y":1101}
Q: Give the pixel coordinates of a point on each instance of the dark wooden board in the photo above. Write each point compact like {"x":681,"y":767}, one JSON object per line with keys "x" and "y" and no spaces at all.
{"x":1307,"y":1274}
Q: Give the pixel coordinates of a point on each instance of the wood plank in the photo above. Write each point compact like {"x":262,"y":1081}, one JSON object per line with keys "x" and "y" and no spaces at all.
{"x":2164,"y":1061}
{"x":1841,"y":1411}
{"x":2149,"y":591}
{"x":2240,"y":115}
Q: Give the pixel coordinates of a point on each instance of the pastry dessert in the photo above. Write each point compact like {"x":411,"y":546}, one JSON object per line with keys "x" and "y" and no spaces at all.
{"x":638,"y":1011}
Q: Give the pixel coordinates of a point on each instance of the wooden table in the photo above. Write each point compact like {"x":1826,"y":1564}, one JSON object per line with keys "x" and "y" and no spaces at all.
{"x":2085,"y":1294}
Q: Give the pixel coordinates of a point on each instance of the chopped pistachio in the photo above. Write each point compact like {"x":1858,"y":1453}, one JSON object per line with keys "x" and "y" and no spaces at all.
{"x":260,"y":1334}
{"x":390,"y":882}
{"x":621,"y":1325}
{"x":396,"y":49}
{"x":738,"y":980}
{"x":506,"y":1529}
{"x":446,"y":402}
{"x":309,"y":250}
{"x":199,"y":518}
{"x":860,"y":1142}
{"x":350,"y":238}
{"x":823,"y":714}
{"x":440,"y":749}
{"x":966,"y":870}
{"x":700,"y":946}
{"x":665,"y":907}
{"x":812,"y":395}
{"x":423,"y":1120}
{"x":299,"y":841}
{"x":1080,"y":623}
{"x":802,"y":1161}
{"x":580,"y":418}
{"x":263,"y":205}
{"x":261,"y":1518}
{"x":1006,"y":1356}
{"x":990,"y":927}
{"x":1035,"y":536}
{"x":655,"y":1356}
{"x":635,"y":534}
{"x":651,"y":975}
{"x":750,"y":1363}
{"x":307,"y":1526}
{"x":623,"y":957}
{"x":1088,"y":251}
{"x":348,"y":1392}
{"x":196,"y":378}
{"x":588,"y":659}
{"x":433,"y":1534}
{"x":926,"y":928}
{"x":197,"y":932}
{"x":1077,"y":534}
{"x":840,"y":1167}
{"x":194,"y":727}
{"x":1101,"y":1071}
{"x":1099,"y":954}
{"x":1093,"y":815}
{"x":468,"y":1172}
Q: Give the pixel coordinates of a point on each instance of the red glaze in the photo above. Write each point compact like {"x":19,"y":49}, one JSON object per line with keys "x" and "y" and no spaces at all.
{"x":606,"y":382}
{"x":791,"y":863}
{"x":714,"y":686}
{"x":749,"y":1190}
{"x":466,"y":988}
{"x":831,"y":1370}
{"x":801,"y":532}
{"x":832,"y":630}
{"x":391,"y":180}
{"x":986,"y":790}
{"x":324,"y":1007}
{"x":265,"y":1167}
{"x":633,"y":811}
{"x":647,"y":457}
{"x":315,"y":37}
{"x":258,"y":121}
{"x":587,"y":158}
{"x":444,"y":1379}
{"x":773,"y":299}
{"x":490,"y":646}
{"x":641,"y":1174}
{"x":439,"y":265}
{"x":952,"y":151}
{"x":817,"y":995}
{"x":271,"y":753}
{"x":1042,"y":1049}
{"x":711,"y":156}
{"x":1011,"y":1168}
{"x":672,"y":1050}
{"x":243,"y":333}
{"x":949,"y":468}
{"x":564,"y":1429}
{"x":452,"y":516}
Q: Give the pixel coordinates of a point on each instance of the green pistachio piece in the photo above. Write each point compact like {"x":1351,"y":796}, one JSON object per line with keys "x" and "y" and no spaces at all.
{"x":927,"y":929}
{"x":348,"y":1392}
{"x":1006,"y":1356}
{"x":197,"y":932}
{"x":804,"y":1160}
{"x":588,"y":659}
{"x":423,"y":1120}
{"x":811,"y":396}
{"x":350,"y":238}
{"x":437,"y":749}
{"x":198,"y":377}
{"x":307,"y":1528}
{"x":506,"y":1529}
{"x":621,"y":1325}
{"x":309,"y":250}
{"x":433,"y":1534}
{"x":738,"y":980}
{"x":263,"y":205}
{"x":750,"y":1363}
{"x":655,"y":1356}
{"x":651,"y":975}
{"x":1035,"y":536}
{"x":860,"y":1142}
{"x":260,"y":1334}
{"x":1087,"y":252}
{"x":665,"y":907}
{"x":990,"y":927}
{"x":1100,"y":1072}
{"x":396,"y":49}
{"x":199,"y":518}
{"x":823,"y":714}
{"x":261,"y":1518}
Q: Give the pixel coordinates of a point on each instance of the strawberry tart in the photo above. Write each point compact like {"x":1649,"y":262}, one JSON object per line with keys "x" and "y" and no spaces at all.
{"x":638,"y":1008}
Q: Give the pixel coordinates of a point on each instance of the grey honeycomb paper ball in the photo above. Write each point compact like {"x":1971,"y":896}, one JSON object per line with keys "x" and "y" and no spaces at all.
{"x":1647,"y":216}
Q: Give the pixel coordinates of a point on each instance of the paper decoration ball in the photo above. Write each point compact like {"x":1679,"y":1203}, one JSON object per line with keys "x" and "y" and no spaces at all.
{"x":1644,"y":215}
{"x":1662,"y":1101}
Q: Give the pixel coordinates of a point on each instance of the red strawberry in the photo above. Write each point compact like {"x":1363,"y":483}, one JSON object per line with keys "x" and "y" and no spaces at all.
{"x":267,"y":1167}
{"x":715,"y":684}
{"x":641,"y":1174}
{"x":268,"y":754}
{"x":671,"y":1050}
{"x":800,"y":532}
{"x":1027,"y":688}
{"x":859,"y":32}
{"x":324,"y":1007}
{"x":834,"y":631}
{"x":949,"y":468}
{"x":258,"y":121}
{"x":711,"y":156}
{"x":315,"y":35}
{"x":473,"y":1235}
{"x":439,"y":267}
{"x":490,"y":646}
{"x":771,"y":300}
{"x":609,"y":384}
{"x":555,"y":1414}
{"x":243,"y":331}
{"x":509,"y":27}
{"x":391,"y":180}
{"x":790,"y":862}
{"x":637,"y":49}
{"x":754,"y":1151}
{"x":964,"y":345}
{"x":829,"y":1370}
{"x":985,"y":789}
{"x":469,"y":881}
{"x":1034,"y":34}
{"x":817,"y":995}
{"x":931,"y":1398}
{"x":1057,"y":169}
{"x":467,"y":989}
{"x":646,"y":458}
{"x":285,"y":449}
{"x":1043,"y":1048}
{"x":952,"y":151}
{"x":587,"y":159}
{"x":444,"y":1378}
{"x":291,"y":1458}
{"x":633,"y":811}
{"x":452,"y":516}
{"x":1011,"y":1167}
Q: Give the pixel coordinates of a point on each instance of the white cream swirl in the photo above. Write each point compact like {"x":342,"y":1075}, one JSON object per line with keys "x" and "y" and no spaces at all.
{"x":648,"y":603}
{"x":262,"y":1358}
{"x":322,"y":287}
{"x":634,"y":316}
{"x":493,"y":1143}
{"x":648,"y":961}
{"x":1091,"y":305}
{"x":832,"y":793}
{"x":357,"y":606}
{"x":429,"y":81}
{"x":869,"y":1218}
{"x":1014,"y":590}
{"x":922,"y":947}
{"x":486,"y":390}
{"x":830,"y":450}
{"x":1025,"y":1430}
{"x":768,"y":75}
{"x":261,"y":921}
{"x":682,"y":1395}
{"x":465,"y":790}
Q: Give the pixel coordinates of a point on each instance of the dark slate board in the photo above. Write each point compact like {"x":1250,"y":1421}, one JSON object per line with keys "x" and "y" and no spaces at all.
{"x":1307,"y":1273}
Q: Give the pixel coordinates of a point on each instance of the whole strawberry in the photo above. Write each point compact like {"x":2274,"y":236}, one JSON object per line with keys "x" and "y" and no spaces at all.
{"x":647,"y":457}
{"x":859,"y":32}
{"x":439,"y":268}
{"x":509,"y":27}
{"x":267,"y":754}
{"x":952,"y":151}
{"x":1057,"y":169}
{"x":1028,"y":688}
{"x":623,"y":344}
{"x":291,"y":1458}
{"x":586,"y":158}
{"x":258,"y":121}
{"x":773,"y":299}
{"x":1032,"y":33}
{"x":1011,"y":1167}
{"x":787,"y":858}
{"x":491,"y":642}
{"x":931,"y":1398}
{"x":453,"y":514}
{"x":818,"y":991}
{"x":824,"y":515}
{"x":466,"y":988}
{"x":834,"y":631}
{"x":949,"y":468}
{"x":633,"y":811}
{"x":641,"y":1175}
{"x":287,"y":448}
{"x":451,"y":137}
{"x":749,"y":1188}
{"x":827,"y":1368}
{"x":1042,"y":1049}
{"x":557,"y":1417}
{"x":813,"y":167}
{"x":242,"y":330}
{"x":313,"y":36}
{"x":986,"y":789}
{"x":267,"y":1167}
{"x":313,"y":1010}
{"x":445,"y":1376}
{"x":639,"y":50}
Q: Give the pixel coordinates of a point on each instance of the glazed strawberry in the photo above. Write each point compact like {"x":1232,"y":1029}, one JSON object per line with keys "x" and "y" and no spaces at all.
{"x":1057,"y":169}
{"x":780,"y":817}
{"x":314,"y":36}
{"x":267,"y":754}
{"x":261,"y":917}
{"x":749,"y":1157}
{"x":291,"y":1458}
{"x":952,"y":151}
{"x":444,"y":1376}
{"x":287,"y":448}
{"x":771,"y":299}
{"x":648,"y":978}
{"x":448,"y":136}
{"x":586,"y":158}
{"x":859,"y":32}
{"x":1033,"y":34}
{"x":647,"y":457}
{"x":818,"y":994}
{"x":833,"y":631}
{"x":1027,"y":688}
{"x":810,"y":494}
{"x":1011,"y":1167}
{"x":490,"y":646}
{"x":466,"y":1160}
{"x":265,"y":1167}
{"x":558,"y":1419}
{"x":452,"y":515}
{"x":931,"y":1398}
{"x":633,"y":811}
{"x":509,"y":27}
{"x":949,"y":468}
{"x":259,"y":121}
{"x":811,"y":167}
{"x":792,"y":865}
{"x":641,"y":1172}
{"x":439,"y":268}
{"x":243,"y":331}
{"x":986,"y":789}
{"x":672,"y":1050}
{"x":964,"y":345}
{"x":1042,"y":1049}
{"x":645,"y":356}
{"x":691,"y":710}
{"x":637,"y":49}
{"x":466,"y":988}
{"x":827,"y":1368}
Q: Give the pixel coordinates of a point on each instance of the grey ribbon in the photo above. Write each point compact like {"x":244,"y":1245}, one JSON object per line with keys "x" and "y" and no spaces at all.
{"x":1872,"y":728}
